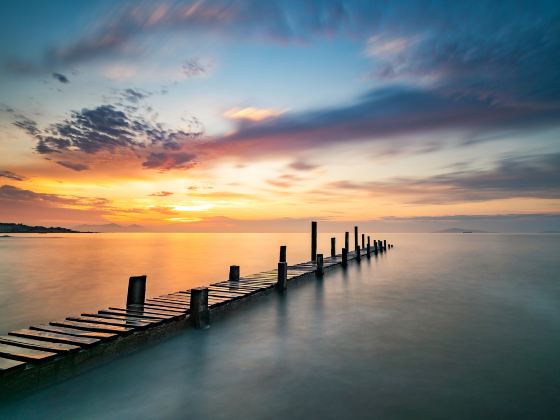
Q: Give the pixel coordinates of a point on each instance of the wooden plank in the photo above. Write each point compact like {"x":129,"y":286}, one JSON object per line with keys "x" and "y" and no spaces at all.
{"x":124,"y":317}
{"x":149,"y":313}
{"x":181,"y":305}
{"x":109,"y":322}
{"x":55,"y":337}
{"x":166,"y":308}
{"x":145,"y":309}
{"x":25,"y":354}
{"x":92,"y":327}
{"x":74,"y":331}
{"x":10,"y":365}
{"x":38,"y":344}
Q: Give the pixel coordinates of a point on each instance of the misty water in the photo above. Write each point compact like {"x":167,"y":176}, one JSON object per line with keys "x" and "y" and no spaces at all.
{"x":442,"y":326}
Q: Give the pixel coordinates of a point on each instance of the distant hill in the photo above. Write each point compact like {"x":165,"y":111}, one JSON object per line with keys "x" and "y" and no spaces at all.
{"x":110,"y":227}
{"x":461,"y":230}
{"x":19,"y":228}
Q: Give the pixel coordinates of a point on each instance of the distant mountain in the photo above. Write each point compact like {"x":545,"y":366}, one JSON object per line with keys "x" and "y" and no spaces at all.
{"x":461,"y":230}
{"x":110,"y":227}
{"x":19,"y":228}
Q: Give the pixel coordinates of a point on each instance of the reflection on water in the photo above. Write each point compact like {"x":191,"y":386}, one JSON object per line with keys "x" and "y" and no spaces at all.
{"x":443,"y":326}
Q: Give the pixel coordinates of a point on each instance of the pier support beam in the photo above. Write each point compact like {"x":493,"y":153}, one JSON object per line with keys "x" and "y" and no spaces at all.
{"x":282,"y":253}
{"x":282,"y":282}
{"x":358,"y":253}
{"x":233,"y":273}
{"x":374,"y":247}
{"x":333,"y":247}
{"x":363,"y":240}
{"x":313,"y":241}
{"x":319,"y":269}
{"x":136,"y":290}
{"x":200,"y":314}
{"x":384,"y":244}
{"x":368,"y":249}
{"x":347,"y":240}
{"x":344,"y":257}
{"x":355,"y":238}
{"x":380,"y":246}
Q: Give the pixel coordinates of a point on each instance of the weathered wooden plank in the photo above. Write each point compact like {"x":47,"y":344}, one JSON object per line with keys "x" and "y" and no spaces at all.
{"x":172,"y":302}
{"x":25,"y":354}
{"x":168,"y":306}
{"x":176,"y":311}
{"x":90,"y":326}
{"x":10,"y":365}
{"x":75,"y":332}
{"x":113,"y":322}
{"x":38,"y":344}
{"x":56,"y":337}
{"x":125,"y":317}
{"x":147,"y":311}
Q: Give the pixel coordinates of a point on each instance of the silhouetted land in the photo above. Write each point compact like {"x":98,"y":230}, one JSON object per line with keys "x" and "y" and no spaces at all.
{"x":19,"y":228}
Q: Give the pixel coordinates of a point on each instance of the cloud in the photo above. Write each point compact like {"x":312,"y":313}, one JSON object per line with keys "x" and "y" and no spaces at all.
{"x":110,"y":129}
{"x":193,"y":67}
{"x":169,"y":160}
{"x":384,"y":115}
{"x":251,"y":114}
{"x":134,"y":95}
{"x":161,"y":194}
{"x":11,"y":175}
{"x":75,"y":166}
{"x":11,"y":193}
{"x":528,"y":177}
{"x":60,"y":77}
{"x":300,"y":165}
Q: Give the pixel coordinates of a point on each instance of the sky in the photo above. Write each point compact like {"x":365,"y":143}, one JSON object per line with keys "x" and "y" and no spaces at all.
{"x":260,"y":116}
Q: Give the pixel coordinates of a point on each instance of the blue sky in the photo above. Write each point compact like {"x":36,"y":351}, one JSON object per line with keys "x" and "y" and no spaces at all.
{"x":342,"y":110}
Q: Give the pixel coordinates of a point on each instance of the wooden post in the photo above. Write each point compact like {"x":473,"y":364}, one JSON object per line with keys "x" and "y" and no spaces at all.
{"x":136,"y":290}
{"x":358,"y":254}
{"x":347,"y":240}
{"x":368,"y":249}
{"x":380,"y":246}
{"x":355,"y":238}
{"x":385,"y":244}
{"x":282,"y":253}
{"x":282,"y":282}
{"x":200,"y":315}
{"x":233,"y":273}
{"x":375,"y":247}
{"x":313,"y":241}
{"x":319,"y":269}
{"x":344,"y":257}
{"x":363,"y":240}
{"x":333,"y":247}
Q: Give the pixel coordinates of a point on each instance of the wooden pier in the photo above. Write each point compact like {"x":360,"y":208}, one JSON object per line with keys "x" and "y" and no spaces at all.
{"x":44,"y":354}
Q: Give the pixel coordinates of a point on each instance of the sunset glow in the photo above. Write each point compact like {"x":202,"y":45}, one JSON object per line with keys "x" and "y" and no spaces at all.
{"x":207,"y":115}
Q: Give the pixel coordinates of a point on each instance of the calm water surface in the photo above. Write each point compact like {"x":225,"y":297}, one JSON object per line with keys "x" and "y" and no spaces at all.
{"x":443,"y":326}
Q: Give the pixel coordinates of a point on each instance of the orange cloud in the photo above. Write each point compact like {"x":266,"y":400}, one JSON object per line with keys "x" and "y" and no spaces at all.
{"x":251,"y":113}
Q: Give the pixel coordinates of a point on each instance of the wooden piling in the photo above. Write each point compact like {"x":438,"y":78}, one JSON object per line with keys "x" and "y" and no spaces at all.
{"x":368,"y":249}
{"x":347,"y":240}
{"x":282,"y":282}
{"x":363,"y":240}
{"x":375,"y":247}
{"x":313,"y":241}
{"x":384,"y":244}
{"x":333,"y":247}
{"x":358,"y":253}
{"x":319,"y":268}
{"x":344,"y":257}
{"x":282,"y":253}
{"x":234,"y":273}
{"x":136,"y":290}
{"x":200,"y":314}
{"x":379,"y":246}
{"x":355,"y":238}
